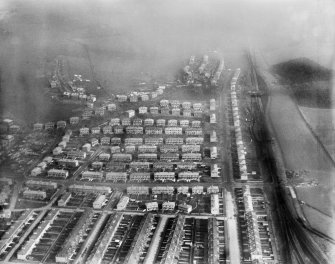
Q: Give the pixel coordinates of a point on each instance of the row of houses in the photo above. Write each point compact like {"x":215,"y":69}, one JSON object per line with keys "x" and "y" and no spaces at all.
{"x":154,"y":110}
{"x":139,"y":190}
{"x":151,"y":122}
{"x":237,"y":129}
{"x":186,"y":176}
{"x":128,"y":157}
{"x":177,"y":104}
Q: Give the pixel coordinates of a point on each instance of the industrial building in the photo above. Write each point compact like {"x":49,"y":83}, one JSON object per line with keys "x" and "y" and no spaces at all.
{"x":137,"y":190}
{"x":116,"y":176}
{"x":58,"y":173}
{"x":99,"y":201}
{"x":92,"y":175}
{"x":139,"y":176}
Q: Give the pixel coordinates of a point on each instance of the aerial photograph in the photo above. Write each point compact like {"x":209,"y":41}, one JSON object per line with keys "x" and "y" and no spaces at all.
{"x":167,"y":131}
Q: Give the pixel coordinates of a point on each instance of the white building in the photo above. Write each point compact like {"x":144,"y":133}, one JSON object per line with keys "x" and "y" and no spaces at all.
{"x":153,"y":130}
{"x":212,"y":118}
{"x":184,"y":123}
{"x":213,"y":137}
{"x":130,"y":113}
{"x":182,"y":189}
{"x":164,"y":176}
{"x":137,"y":190}
{"x":151,"y":206}
{"x":196,"y":123}
{"x":147,"y":149}
{"x":84,"y":131}
{"x":214,"y":152}
{"x":104,"y":156}
{"x":134,"y":130}
{"x":213,"y":189}
{"x":115,"y":122}
{"x":139,"y":176}
{"x":99,"y":201}
{"x":193,"y":131}
{"x":116,"y":176}
{"x":149,"y":122}
{"x":137,"y":122}
{"x":189,"y":176}
{"x":134,"y":141}
{"x":126,"y":121}
{"x":153,"y":140}
{"x":92,"y":175}
{"x":130,"y":148}
{"x":163,"y":190}
{"x":190,"y":148}
{"x":143,"y":110}
{"x":191,"y":156}
{"x":122,"y":204}
{"x":172,"y":122}
{"x":215,"y":207}
{"x":185,"y":208}
{"x":173,"y":130}
{"x":174,"y":141}
{"x":36,"y":171}
{"x":197,"y":189}
{"x":168,"y":206}
{"x":58,"y":173}
{"x":122,"y":157}
{"x":74,"y":120}
{"x":154,"y":110}
{"x":194,"y":140}
{"x":121,"y":98}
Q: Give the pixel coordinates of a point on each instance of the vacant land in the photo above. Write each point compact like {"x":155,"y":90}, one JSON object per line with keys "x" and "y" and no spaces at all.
{"x":322,"y":121}
{"x":300,"y":149}
{"x":309,"y":82}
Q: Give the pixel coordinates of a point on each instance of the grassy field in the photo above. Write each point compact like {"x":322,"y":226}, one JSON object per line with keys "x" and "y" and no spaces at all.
{"x":300,"y":149}
{"x":322,"y":121}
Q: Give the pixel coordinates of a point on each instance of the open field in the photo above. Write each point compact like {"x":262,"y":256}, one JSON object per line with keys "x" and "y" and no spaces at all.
{"x":323,"y":124}
{"x":300,"y":149}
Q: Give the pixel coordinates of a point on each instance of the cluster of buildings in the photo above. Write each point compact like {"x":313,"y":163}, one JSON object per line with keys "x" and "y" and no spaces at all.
{"x":139,"y":190}
{"x":143,"y":96}
{"x":8,"y":130}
